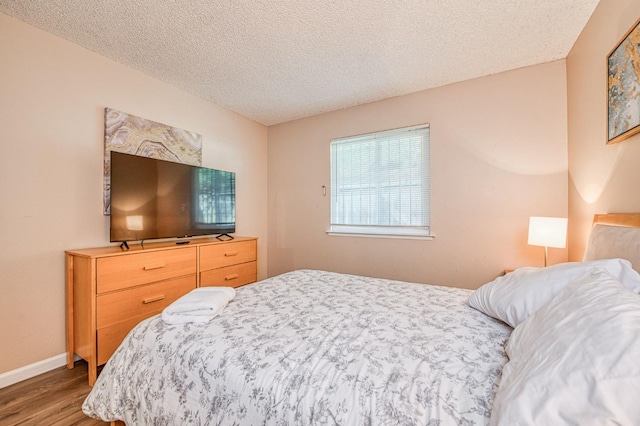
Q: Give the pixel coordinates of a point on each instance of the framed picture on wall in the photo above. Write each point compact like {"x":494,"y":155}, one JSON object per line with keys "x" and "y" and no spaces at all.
{"x":623,"y":87}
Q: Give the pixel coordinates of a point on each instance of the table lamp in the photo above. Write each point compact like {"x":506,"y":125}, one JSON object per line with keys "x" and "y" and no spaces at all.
{"x":548,"y":232}
{"x":134,"y":223}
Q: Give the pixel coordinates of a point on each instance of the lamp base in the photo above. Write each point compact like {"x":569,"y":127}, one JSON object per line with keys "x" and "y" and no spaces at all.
{"x":546,"y":252}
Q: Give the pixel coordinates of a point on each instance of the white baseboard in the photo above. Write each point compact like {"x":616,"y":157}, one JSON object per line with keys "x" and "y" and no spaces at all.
{"x":28,"y":371}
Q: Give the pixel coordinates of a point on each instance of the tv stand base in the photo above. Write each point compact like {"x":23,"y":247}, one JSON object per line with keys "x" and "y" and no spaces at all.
{"x":221,"y":237}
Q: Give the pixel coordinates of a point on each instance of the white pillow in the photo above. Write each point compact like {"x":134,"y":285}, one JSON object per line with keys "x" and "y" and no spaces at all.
{"x":514,"y":297}
{"x":576,"y":360}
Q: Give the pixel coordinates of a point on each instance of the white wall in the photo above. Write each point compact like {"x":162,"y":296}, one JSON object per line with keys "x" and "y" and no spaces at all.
{"x":52,"y":99}
{"x":603,"y":178}
{"x":498,"y":156}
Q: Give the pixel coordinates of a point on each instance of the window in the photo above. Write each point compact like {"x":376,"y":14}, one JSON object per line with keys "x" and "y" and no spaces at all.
{"x":380,"y":184}
{"x":215,"y":198}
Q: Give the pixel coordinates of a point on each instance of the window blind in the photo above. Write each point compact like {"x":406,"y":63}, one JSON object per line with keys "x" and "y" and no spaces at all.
{"x":380,"y":182}
{"x":214,"y":197}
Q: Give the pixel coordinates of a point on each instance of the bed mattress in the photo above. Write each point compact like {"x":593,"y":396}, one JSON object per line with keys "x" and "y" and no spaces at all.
{"x":312,"y":347}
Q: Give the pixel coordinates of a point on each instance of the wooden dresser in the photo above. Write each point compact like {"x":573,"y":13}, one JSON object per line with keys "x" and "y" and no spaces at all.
{"x":110,"y":290}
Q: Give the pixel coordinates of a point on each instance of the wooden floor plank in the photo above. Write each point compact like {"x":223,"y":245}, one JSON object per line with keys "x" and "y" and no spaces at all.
{"x":52,"y":398}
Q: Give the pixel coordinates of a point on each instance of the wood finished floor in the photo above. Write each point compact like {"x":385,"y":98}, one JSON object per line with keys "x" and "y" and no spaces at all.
{"x":53,"y":398}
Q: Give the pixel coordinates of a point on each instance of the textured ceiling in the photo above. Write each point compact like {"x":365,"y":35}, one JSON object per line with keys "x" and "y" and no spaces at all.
{"x":278,"y":60}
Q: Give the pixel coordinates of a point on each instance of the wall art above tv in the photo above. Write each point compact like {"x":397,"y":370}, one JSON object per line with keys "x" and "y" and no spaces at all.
{"x":129,"y":134}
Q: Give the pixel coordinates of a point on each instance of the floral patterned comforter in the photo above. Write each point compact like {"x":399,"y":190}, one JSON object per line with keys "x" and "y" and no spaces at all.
{"x":311,"y":347}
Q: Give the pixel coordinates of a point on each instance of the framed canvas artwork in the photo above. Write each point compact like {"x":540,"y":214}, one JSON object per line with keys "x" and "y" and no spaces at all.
{"x":623,"y":87}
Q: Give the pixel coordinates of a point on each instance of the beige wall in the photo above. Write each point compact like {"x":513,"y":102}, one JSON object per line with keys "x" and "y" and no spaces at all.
{"x":602,"y":178}
{"x":498,"y":156}
{"x":52,"y":99}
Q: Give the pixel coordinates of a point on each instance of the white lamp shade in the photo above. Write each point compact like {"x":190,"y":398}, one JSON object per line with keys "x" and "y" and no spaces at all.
{"x":548,"y":231}
{"x":134,"y":223}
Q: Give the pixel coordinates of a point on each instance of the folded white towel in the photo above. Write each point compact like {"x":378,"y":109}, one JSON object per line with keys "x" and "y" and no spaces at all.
{"x":198,"y":306}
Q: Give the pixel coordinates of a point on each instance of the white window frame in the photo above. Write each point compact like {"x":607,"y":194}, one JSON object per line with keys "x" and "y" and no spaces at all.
{"x":342,"y":227}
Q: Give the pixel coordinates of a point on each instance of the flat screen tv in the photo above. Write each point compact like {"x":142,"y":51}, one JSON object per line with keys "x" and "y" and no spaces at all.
{"x":153,"y":199}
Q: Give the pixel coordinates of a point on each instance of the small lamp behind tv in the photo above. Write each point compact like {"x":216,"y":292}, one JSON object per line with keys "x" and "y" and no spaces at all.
{"x":134,"y":223}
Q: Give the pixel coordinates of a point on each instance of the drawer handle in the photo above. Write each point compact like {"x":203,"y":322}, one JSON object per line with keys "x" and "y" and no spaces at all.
{"x":233,"y":253}
{"x":153,"y":299}
{"x":231,"y":277}
{"x":149,"y":268}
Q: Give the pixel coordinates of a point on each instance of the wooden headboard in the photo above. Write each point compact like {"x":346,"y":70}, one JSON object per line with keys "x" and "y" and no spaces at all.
{"x":615,"y":235}
{"x":617,"y":219}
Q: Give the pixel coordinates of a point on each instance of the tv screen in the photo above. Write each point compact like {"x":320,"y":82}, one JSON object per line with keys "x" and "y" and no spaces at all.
{"x":153,"y":198}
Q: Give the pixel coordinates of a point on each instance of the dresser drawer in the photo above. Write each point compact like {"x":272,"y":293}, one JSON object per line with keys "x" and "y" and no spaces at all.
{"x":118,"y":272}
{"x":142,"y":301}
{"x":109,"y":338}
{"x":118,"y":312}
{"x":221,"y":255}
{"x":230,"y":276}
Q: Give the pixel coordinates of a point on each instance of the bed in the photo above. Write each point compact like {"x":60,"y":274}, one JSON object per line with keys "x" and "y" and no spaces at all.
{"x":315,"y":347}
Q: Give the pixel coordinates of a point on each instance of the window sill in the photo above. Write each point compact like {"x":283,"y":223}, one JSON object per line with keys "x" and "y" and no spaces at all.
{"x":379,"y":232}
